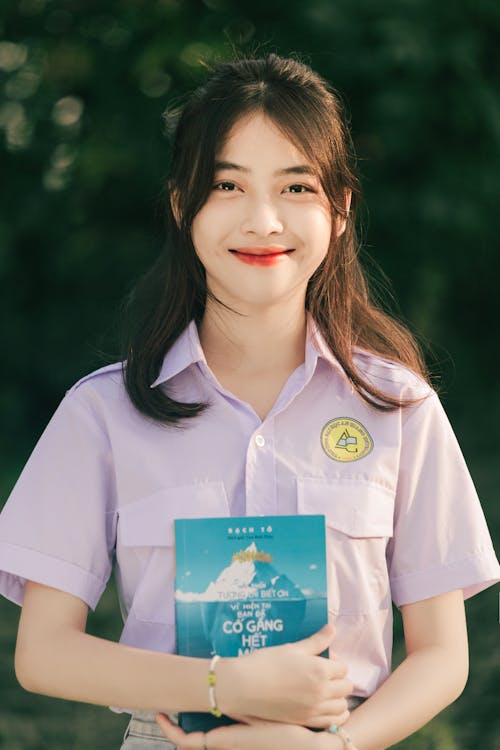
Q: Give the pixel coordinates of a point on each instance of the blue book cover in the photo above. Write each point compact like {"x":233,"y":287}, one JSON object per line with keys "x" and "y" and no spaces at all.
{"x":244,"y":583}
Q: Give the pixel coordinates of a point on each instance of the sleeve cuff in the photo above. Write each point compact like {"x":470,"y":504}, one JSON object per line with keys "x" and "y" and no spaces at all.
{"x":471,"y":574}
{"x":18,"y":564}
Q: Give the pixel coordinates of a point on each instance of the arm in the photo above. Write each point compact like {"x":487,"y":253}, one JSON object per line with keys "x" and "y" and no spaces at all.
{"x":433,"y":675}
{"x":56,"y":657}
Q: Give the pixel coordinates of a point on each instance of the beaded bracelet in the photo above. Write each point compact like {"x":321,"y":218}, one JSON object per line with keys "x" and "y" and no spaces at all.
{"x":211,"y":687}
{"x":334,"y":729}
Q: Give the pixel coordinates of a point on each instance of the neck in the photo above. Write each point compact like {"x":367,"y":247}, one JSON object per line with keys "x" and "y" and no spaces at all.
{"x":261,"y":340}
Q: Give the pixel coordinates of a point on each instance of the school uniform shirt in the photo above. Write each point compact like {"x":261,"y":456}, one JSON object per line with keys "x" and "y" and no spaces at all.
{"x":104,"y":485}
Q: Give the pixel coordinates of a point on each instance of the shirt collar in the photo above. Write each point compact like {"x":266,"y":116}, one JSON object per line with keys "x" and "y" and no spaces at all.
{"x":187,"y":350}
{"x":316,"y":346}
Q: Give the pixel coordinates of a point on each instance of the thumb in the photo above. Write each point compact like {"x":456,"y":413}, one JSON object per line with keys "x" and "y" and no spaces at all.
{"x":318,"y":641}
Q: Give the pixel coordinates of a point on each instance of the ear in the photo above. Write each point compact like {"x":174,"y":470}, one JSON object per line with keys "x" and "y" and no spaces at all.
{"x":341,"y":221}
{"x":174,"y":204}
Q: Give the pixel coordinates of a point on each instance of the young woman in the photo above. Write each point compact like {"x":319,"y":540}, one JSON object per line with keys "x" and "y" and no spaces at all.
{"x":259,"y":379}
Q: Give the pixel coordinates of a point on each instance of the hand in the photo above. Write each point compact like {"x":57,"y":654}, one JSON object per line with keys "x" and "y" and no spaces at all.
{"x":259,"y":735}
{"x":288,"y":684}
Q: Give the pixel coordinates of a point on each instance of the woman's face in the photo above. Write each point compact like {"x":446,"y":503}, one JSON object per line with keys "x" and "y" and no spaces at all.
{"x":266,"y":225}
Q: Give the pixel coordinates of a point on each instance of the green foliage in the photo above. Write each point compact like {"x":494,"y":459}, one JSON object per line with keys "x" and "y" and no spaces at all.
{"x":84,"y":159}
{"x":83,"y":87}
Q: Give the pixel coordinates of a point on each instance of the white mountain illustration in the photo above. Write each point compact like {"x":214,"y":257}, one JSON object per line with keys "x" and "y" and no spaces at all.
{"x":242,"y":579}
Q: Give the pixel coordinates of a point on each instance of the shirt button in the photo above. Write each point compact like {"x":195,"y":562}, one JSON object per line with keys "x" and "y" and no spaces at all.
{"x":260,"y":441}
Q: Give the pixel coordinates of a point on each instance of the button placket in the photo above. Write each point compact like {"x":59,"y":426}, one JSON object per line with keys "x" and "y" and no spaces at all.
{"x":260,"y":479}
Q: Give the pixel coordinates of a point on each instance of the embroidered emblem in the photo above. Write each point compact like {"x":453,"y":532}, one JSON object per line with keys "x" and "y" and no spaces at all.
{"x":345,"y":439}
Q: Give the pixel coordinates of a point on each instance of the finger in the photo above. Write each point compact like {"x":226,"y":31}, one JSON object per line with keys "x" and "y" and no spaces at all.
{"x":338,"y":688}
{"x":329,"y":712}
{"x":335,"y":668}
{"x":334,"y":706}
{"x":324,"y":721}
{"x":342,"y":719}
{"x":169,"y":729}
{"x":191,"y":741}
{"x":317,"y":642}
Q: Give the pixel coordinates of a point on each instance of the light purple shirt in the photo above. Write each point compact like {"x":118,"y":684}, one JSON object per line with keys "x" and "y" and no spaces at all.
{"x":403,"y":519}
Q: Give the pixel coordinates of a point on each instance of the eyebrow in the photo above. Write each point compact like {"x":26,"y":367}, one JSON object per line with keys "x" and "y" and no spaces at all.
{"x":297,"y":169}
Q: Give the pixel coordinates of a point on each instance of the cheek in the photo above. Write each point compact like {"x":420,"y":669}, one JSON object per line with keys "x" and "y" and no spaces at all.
{"x":200,"y":233}
{"x":318,"y":239}
{"x":313,"y":219}
{"x":207,"y":228}
{"x":320,"y":230}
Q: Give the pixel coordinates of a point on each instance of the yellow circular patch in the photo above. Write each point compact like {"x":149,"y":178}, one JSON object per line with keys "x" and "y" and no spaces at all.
{"x":345,"y":439}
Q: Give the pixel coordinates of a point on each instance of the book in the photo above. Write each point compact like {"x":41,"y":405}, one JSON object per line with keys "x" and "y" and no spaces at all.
{"x":245,"y":583}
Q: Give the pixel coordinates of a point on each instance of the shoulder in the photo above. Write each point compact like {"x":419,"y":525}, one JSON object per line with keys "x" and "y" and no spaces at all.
{"x":105,"y":378}
{"x":99,"y":394}
{"x":390,"y":376}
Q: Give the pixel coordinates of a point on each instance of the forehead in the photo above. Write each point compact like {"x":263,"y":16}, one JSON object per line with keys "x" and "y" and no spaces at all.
{"x":258,"y":134}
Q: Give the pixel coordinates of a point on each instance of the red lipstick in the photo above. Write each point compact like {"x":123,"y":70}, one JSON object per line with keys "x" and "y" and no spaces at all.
{"x":261,"y":256}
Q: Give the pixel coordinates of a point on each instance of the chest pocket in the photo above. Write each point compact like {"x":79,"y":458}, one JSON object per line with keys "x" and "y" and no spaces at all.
{"x":359,"y":522}
{"x":146,"y":545}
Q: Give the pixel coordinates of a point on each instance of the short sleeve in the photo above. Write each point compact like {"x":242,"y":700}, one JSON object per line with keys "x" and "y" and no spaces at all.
{"x":58,"y":526}
{"x":441,"y":540}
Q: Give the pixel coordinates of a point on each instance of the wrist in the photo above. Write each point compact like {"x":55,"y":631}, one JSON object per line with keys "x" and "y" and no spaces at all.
{"x":341,"y":736}
{"x":327,"y":741}
{"x":227,"y":686}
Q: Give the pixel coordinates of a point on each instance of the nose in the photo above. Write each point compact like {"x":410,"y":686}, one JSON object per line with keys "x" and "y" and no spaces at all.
{"x":261,"y":218}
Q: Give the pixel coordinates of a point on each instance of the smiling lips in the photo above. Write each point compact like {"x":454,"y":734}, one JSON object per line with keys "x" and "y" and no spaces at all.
{"x":260,"y":256}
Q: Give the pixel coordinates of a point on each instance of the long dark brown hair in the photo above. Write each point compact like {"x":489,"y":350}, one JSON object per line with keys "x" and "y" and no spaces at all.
{"x":309,"y":112}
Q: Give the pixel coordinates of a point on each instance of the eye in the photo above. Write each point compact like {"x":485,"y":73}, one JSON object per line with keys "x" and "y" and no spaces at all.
{"x":301,"y":188}
{"x":227,"y":187}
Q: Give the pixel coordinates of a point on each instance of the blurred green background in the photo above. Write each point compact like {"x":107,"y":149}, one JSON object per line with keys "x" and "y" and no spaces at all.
{"x":83,"y":158}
